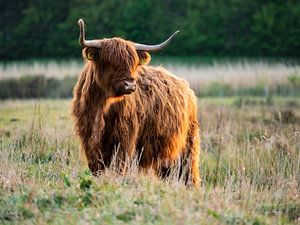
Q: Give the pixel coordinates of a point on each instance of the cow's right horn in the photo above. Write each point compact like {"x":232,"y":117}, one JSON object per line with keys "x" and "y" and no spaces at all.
{"x":154,"y":48}
{"x":86,"y":43}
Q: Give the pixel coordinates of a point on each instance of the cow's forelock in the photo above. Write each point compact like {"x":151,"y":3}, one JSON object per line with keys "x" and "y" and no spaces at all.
{"x":116,"y":62}
{"x":119,"y":53}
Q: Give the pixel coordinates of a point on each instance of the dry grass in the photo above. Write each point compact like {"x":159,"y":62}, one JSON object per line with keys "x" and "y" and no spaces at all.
{"x":244,"y":73}
{"x":250,"y":166}
{"x":47,"y":68}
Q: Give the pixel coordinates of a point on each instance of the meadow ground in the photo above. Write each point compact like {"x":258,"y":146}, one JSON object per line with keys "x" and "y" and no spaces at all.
{"x":250,"y":170}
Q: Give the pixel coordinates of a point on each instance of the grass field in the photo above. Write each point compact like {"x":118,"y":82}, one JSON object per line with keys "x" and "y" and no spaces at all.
{"x":250,"y":169}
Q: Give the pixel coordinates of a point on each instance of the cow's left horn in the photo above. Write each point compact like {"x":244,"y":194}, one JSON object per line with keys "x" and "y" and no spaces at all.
{"x":86,"y":43}
{"x":153,"y":48}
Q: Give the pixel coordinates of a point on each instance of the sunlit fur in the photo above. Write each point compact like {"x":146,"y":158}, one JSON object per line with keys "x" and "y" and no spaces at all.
{"x":158,"y":121}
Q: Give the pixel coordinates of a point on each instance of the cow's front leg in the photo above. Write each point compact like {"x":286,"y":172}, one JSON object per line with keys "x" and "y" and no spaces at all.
{"x":122,"y":159}
{"x":98,"y":159}
{"x":120,"y":140}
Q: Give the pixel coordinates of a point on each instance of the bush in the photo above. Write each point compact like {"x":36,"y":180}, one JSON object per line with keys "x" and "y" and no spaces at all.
{"x":41,"y":87}
{"x":217,"y":89}
{"x":36,"y":87}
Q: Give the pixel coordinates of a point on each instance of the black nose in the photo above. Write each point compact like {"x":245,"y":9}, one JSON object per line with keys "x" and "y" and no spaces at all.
{"x":130,"y":86}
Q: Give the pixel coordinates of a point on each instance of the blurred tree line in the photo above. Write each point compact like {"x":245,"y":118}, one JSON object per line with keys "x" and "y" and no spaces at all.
{"x":46,"y":28}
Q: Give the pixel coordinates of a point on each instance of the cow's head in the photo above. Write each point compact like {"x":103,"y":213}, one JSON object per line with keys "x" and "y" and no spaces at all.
{"x":116,"y":61}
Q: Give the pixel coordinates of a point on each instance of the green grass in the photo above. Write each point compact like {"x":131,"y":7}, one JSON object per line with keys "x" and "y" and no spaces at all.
{"x":250,"y":169}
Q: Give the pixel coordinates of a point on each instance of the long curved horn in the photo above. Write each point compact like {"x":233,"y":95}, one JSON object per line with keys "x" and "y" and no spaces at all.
{"x":82,"y":41}
{"x":153,"y":48}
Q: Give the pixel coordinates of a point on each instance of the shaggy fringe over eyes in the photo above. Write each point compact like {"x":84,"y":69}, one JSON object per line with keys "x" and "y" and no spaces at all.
{"x":117,"y":52}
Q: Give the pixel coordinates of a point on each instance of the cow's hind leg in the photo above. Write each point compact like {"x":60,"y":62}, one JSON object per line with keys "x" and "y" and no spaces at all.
{"x":189,"y":168}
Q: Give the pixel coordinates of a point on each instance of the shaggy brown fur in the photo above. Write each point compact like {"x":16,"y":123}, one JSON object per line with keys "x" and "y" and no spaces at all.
{"x":157,"y":121}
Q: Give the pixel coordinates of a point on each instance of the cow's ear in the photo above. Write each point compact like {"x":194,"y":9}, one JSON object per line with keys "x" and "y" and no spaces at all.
{"x":89,"y":53}
{"x":144,"y":57}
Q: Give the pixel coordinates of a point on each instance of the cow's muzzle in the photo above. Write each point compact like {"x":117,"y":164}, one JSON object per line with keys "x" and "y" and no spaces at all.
{"x":130,"y":86}
{"x":126,"y":87}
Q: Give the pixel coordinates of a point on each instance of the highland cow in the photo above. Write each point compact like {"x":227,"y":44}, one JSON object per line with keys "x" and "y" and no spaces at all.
{"x":124,"y":107}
